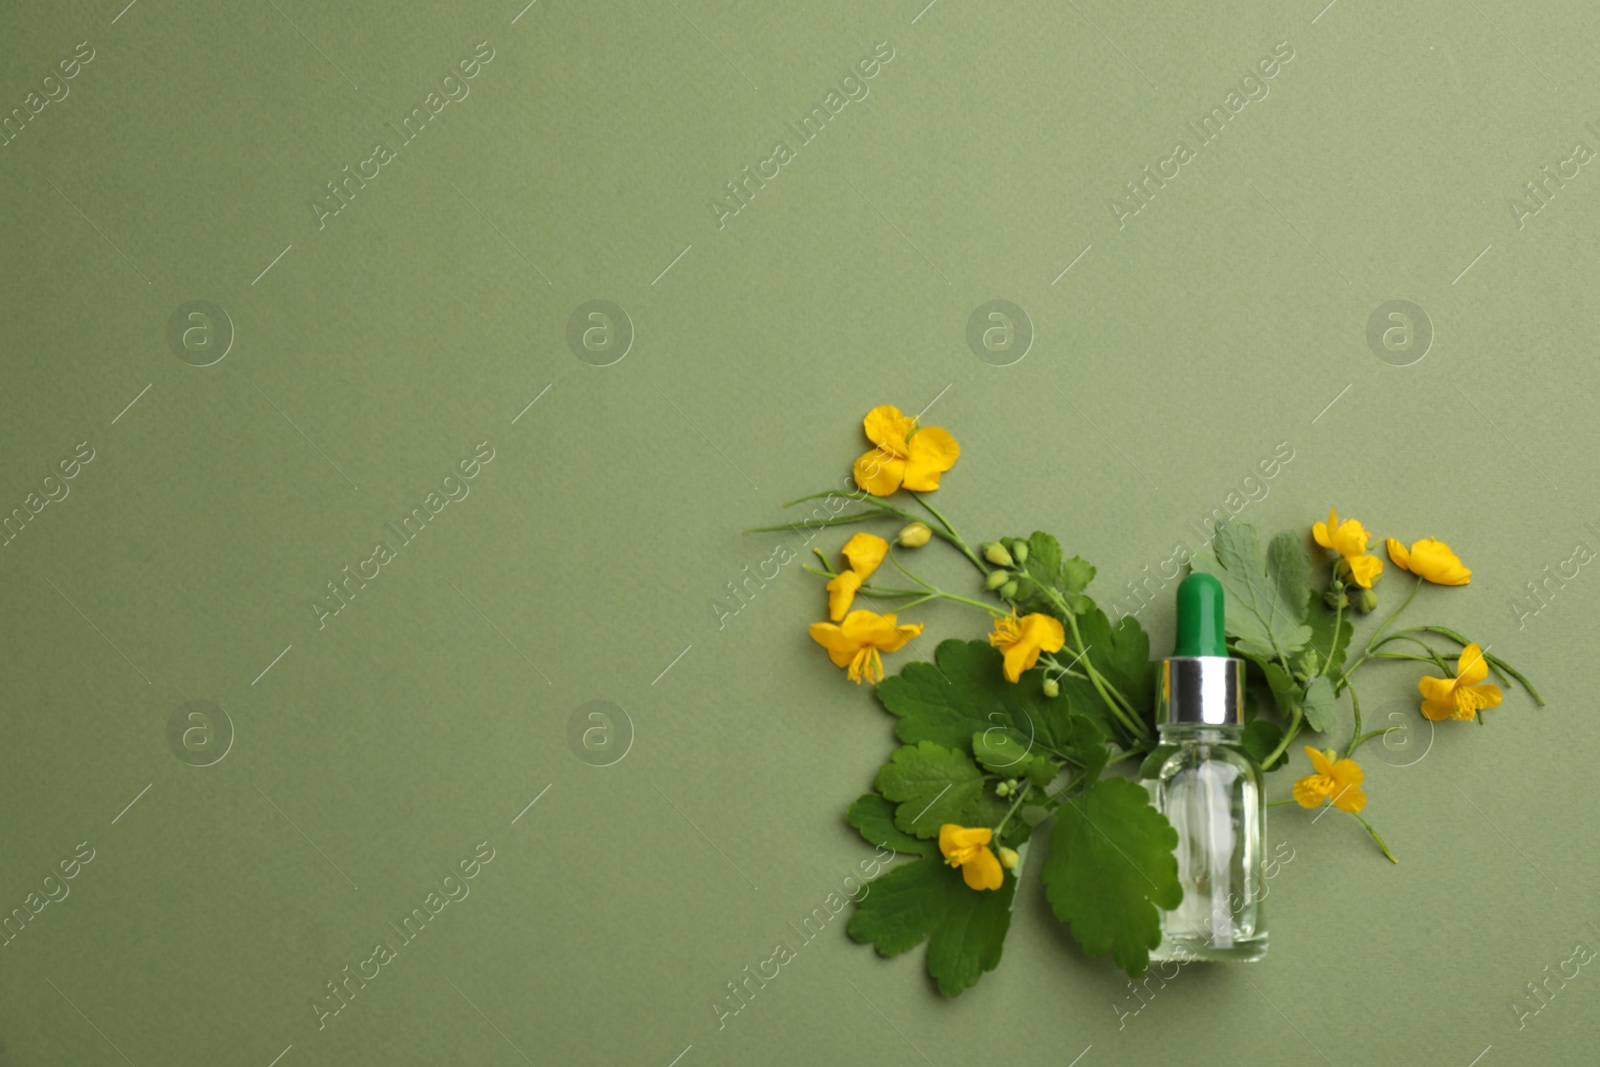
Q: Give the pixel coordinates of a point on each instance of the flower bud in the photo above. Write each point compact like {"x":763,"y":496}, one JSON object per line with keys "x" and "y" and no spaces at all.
{"x":1009,"y":590}
{"x":1333,"y":599}
{"x":1364,"y":600}
{"x":1052,"y":688}
{"x":996,"y":579}
{"x":915,"y":535}
{"x":1009,"y":858}
{"x":996,"y":553}
{"x":1019,"y":551}
{"x":1003,"y":789}
{"x":1341,"y":569}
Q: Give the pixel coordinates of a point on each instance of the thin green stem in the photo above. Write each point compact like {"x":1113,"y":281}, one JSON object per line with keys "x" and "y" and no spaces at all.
{"x":1015,"y":804}
{"x":951,"y":535}
{"x":901,"y":567}
{"x":1132,"y":753}
{"x":1355,"y":712}
{"x":812,"y":524}
{"x":938,"y":594}
{"x":1361,"y":739}
{"x":1338,"y":621}
{"x":1372,"y":643}
{"x":1279,"y":803}
{"x":868,"y":590}
{"x":1114,"y":700}
{"x":1061,"y":669}
{"x":1433,"y":654}
{"x":1375,"y":837}
{"x":1288,"y":736}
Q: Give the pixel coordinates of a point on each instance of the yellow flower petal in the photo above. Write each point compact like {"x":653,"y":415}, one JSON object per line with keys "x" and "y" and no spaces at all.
{"x":879,"y":472}
{"x":1363,"y":569}
{"x":856,"y":642}
{"x":1438,"y":697}
{"x":983,"y":871}
{"x":1351,"y":538}
{"x":841,"y":649}
{"x":1021,"y":641}
{"x":1470,"y":699}
{"x":1471,"y":667}
{"x":1433,"y":560}
{"x":957,"y":842}
{"x":841,"y":591}
{"x":1347,"y":773}
{"x":1398,"y":553}
{"x":1319,"y":762}
{"x":864,"y":552}
{"x":1439,"y":710}
{"x":1322,"y":533}
{"x":887,"y":428}
{"x":931,"y":452}
{"x":1349,"y":799}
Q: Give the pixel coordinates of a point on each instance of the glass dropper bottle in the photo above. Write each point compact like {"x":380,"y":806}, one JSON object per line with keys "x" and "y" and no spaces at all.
{"x":1209,"y":788}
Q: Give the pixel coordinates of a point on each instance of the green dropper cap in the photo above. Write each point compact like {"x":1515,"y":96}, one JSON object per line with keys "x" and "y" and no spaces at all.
{"x":1200,"y":614}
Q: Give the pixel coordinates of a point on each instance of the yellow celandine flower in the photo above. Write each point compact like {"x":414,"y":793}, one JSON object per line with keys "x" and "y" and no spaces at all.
{"x":1021,"y":641}
{"x":969,"y":849}
{"x":855,"y":643}
{"x":1460,"y":697}
{"x":905,"y":455}
{"x":1349,"y":539}
{"x":1430,"y":560}
{"x":1340,"y":780}
{"x":863,"y":553}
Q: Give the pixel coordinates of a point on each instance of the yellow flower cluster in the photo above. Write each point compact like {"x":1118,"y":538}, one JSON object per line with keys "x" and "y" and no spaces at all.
{"x":904,"y":456}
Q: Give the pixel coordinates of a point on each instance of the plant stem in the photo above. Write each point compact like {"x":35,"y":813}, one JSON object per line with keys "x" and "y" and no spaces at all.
{"x":1288,"y":736}
{"x":1061,"y":669}
{"x":1276,"y":803}
{"x":1361,"y":739}
{"x":937,"y":594}
{"x":951,"y":535}
{"x":1375,"y":837}
{"x":1433,"y":653}
{"x":1372,"y":642}
{"x":1355,"y":713}
{"x":1015,"y":804}
{"x":1338,"y":621}
{"x":1114,"y":700}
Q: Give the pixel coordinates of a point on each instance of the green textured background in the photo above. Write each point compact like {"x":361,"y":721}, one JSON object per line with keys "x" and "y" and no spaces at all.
{"x":1179,"y":350}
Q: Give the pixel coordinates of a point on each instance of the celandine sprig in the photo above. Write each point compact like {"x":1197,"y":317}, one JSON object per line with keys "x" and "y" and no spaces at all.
{"x":1034,"y":722}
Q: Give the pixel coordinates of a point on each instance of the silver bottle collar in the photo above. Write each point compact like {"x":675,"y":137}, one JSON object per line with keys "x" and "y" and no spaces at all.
{"x":1201,"y":691}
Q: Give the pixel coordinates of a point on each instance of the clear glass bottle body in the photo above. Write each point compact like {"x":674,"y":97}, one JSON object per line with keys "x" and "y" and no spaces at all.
{"x":1211,"y":792}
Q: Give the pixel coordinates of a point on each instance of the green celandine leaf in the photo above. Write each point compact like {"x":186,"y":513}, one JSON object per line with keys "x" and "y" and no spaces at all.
{"x":1111,"y":868}
{"x":965,"y":928}
{"x":963,"y":692}
{"x":1321,"y":705}
{"x":1260,"y":738}
{"x":1000,"y":752}
{"x":1316,"y":699}
{"x":1086,"y":746}
{"x":1330,"y":647}
{"x":1121,"y":654}
{"x":1047,"y":582}
{"x":873,"y":817}
{"x":1286,"y":692}
{"x":934,"y":785}
{"x":1267,"y":593}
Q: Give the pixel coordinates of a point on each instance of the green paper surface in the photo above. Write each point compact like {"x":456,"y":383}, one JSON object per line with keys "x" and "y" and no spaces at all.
{"x":407,"y":533}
